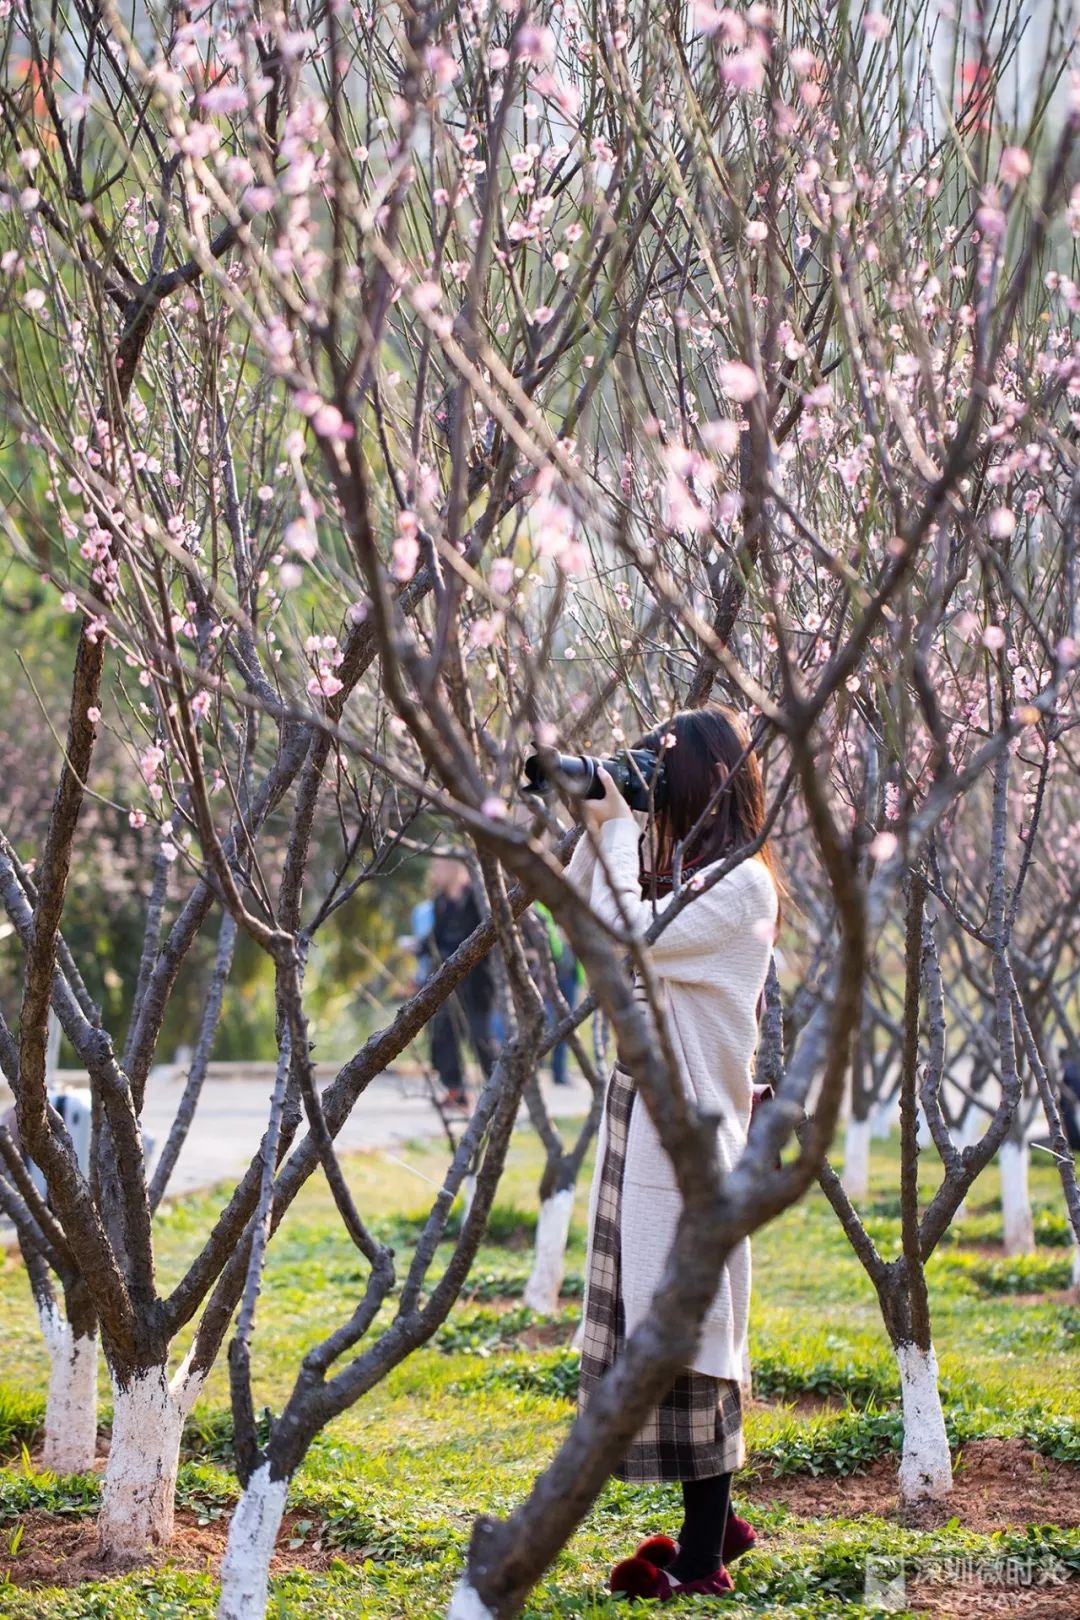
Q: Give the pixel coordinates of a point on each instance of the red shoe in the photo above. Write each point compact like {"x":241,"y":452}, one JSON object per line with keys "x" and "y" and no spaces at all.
{"x":718,"y":1584}
{"x":638,"y":1578}
{"x":739,"y":1537}
{"x":657,"y":1550}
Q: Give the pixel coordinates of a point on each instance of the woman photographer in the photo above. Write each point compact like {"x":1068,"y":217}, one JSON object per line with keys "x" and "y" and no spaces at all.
{"x":711,"y":962}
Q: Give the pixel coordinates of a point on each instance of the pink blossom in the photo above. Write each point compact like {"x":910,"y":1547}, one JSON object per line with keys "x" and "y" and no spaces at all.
{"x":300,"y":537}
{"x":324,"y":684}
{"x":737,"y":380}
{"x":482,"y":632}
{"x":93,"y":714}
{"x":744,"y":71}
{"x":136,"y":819}
{"x":993,"y":638}
{"x":536,"y":44}
{"x":329,"y":423}
{"x":150,"y":762}
{"x":876,"y":25}
{"x":501,"y":575}
{"x":1074,"y":210}
{"x":405,"y":553}
{"x":493,"y":808}
{"x":1001,"y":523}
{"x":552,"y":526}
{"x":441,"y":65}
{"x":1015,"y":165}
{"x":990,"y":217}
{"x":69,"y":602}
{"x":198,"y":140}
{"x":33,"y":300}
{"x":223,"y":98}
{"x":200,"y":703}
{"x":721,"y":435}
{"x":884,"y":846}
{"x":426,"y":296}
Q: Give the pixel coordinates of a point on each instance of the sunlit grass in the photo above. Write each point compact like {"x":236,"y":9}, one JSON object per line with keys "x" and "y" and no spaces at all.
{"x":464,"y":1425}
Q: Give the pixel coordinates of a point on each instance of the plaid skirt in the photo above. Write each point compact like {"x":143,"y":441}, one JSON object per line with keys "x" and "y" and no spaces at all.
{"x":696,"y":1432}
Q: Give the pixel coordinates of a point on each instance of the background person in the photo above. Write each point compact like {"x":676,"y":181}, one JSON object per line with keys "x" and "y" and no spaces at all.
{"x":466,"y":1015}
{"x":1070,"y":1099}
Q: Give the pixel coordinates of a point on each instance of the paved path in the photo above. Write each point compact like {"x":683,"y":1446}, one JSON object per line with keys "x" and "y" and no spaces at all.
{"x":232,"y":1112}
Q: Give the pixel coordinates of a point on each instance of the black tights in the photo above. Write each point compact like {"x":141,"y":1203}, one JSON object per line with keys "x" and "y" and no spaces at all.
{"x":701,"y":1540}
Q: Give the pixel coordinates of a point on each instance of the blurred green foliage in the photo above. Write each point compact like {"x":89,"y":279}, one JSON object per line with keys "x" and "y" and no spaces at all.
{"x":356,"y":971}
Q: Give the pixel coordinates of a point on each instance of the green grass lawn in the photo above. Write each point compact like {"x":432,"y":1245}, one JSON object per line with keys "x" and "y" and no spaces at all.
{"x":463,"y":1426}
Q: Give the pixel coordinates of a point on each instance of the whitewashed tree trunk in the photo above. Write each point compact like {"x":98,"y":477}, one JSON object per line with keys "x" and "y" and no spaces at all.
{"x":468,"y":1193}
{"x":925,"y":1463}
{"x":245,"y":1569}
{"x":1014,"y":1158}
{"x":883,"y":1116}
{"x":71,"y":1405}
{"x":467,"y":1604}
{"x":968,"y":1133}
{"x":971,"y":1126}
{"x":139,"y":1490}
{"x":856,"y":1177}
{"x":549,"y":1259}
{"x":1076,"y":1267}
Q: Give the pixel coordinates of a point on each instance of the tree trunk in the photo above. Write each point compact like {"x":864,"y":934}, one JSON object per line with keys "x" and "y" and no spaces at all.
{"x":1014,"y":1158}
{"x":549,"y":1259}
{"x":856,"y":1176}
{"x":245,"y":1569}
{"x":71,"y":1406}
{"x":138,"y":1493}
{"x":925,"y":1463}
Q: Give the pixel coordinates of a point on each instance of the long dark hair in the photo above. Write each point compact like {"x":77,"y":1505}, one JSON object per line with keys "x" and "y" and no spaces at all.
{"x":702,"y":749}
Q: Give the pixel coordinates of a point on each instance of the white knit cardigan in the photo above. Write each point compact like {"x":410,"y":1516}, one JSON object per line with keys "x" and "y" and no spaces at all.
{"x":711,"y":962}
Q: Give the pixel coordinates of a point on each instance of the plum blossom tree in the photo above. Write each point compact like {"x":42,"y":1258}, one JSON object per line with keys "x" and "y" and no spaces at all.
{"x":401,"y":387}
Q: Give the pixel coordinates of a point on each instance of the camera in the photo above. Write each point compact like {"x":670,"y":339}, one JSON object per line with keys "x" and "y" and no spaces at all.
{"x":638,"y":774}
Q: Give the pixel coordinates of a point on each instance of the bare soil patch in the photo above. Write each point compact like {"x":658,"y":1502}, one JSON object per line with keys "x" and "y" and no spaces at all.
{"x":805,"y":1404}
{"x":1060,"y":1296}
{"x":978,"y":1600}
{"x":544,"y":1336}
{"x":56,"y":1550}
{"x":998,"y":1485}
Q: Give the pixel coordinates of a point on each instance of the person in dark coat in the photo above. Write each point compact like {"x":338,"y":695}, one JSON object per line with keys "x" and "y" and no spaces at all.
{"x":467,"y":1015}
{"x":1070,"y":1098}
